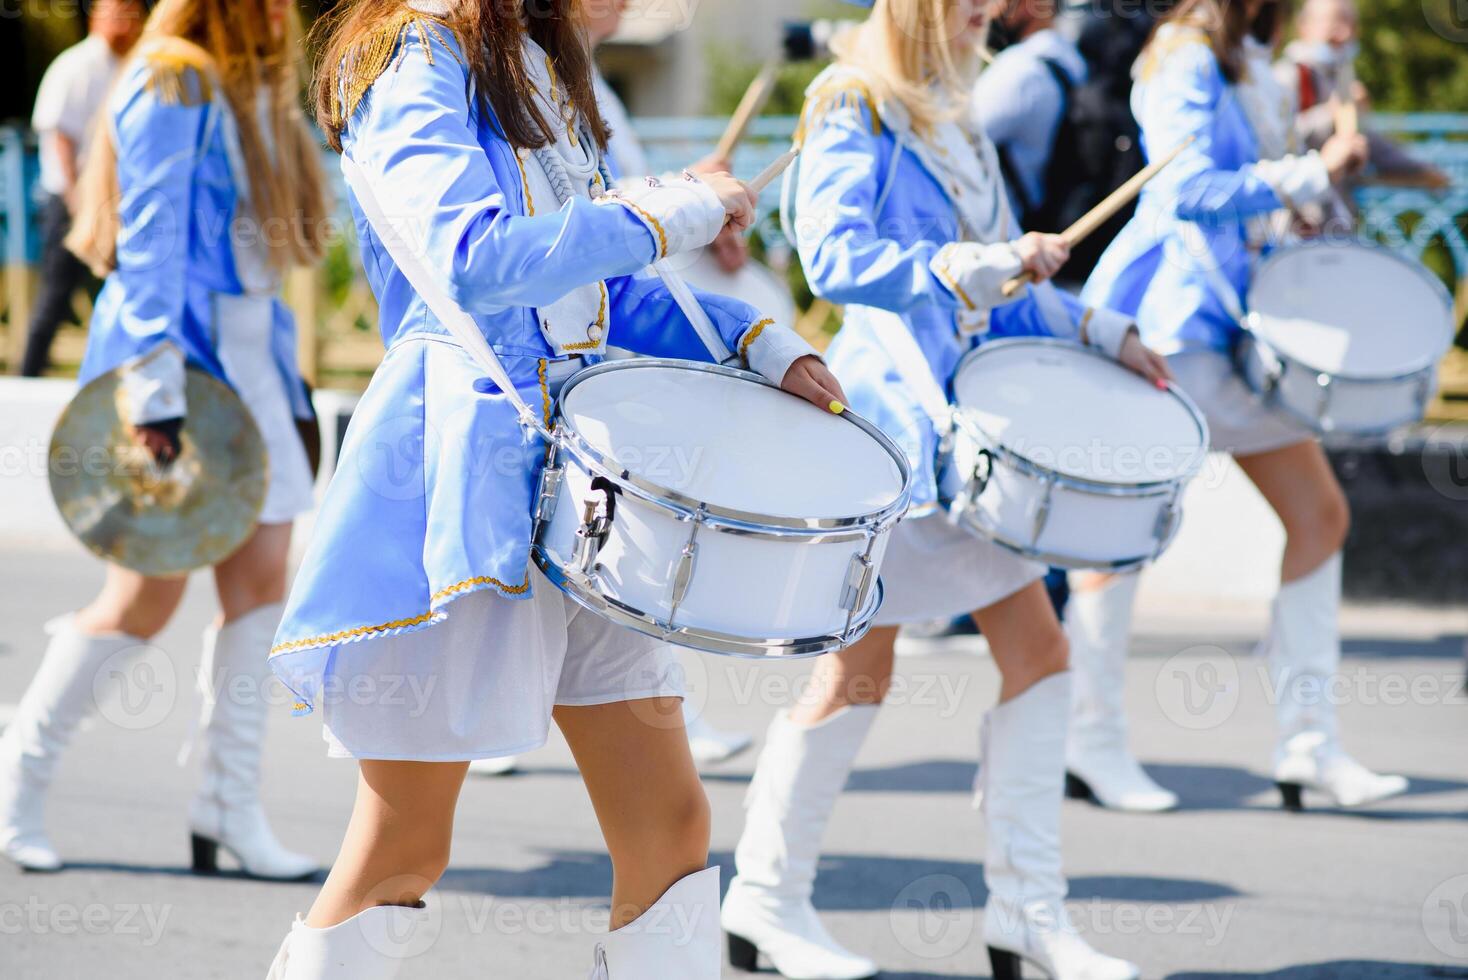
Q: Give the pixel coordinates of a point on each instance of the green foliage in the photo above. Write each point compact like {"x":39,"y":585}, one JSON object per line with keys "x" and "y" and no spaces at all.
{"x":1415,"y":54}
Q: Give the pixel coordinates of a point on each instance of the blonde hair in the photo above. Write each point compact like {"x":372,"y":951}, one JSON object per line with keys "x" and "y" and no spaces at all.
{"x":906,"y":48}
{"x":189,"y":45}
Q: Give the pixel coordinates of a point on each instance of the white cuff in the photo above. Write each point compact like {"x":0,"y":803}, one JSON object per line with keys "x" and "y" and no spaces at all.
{"x":1106,"y":330}
{"x":153,"y":386}
{"x":769,"y":349}
{"x":683,"y":214}
{"x":1296,"y":180}
{"x":976,"y":273}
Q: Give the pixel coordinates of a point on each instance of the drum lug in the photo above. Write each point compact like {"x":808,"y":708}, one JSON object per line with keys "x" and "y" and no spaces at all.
{"x":550,"y":492}
{"x":1326,"y":385}
{"x":858,"y":584}
{"x":1424,"y":392}
{"x":974,"y":487}
{"x":1042,"y":513}
{"x":683,"y":574}
{"x":1166,"y":524}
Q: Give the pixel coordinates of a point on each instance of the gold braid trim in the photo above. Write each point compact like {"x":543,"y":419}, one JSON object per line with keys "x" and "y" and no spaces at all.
{"x":368,"y":61}
{"x":839,"y":93}
{"x":1084,"y":329}
{"x":525,"y":183}
{"x":179,"y":72}
{"x":398,"y":624}
{"x":545,"y":398}
{"x":657,"y":225}
{"x":750,"y":336}
{"x":1157,"y":52}
{"x":951,"y":282}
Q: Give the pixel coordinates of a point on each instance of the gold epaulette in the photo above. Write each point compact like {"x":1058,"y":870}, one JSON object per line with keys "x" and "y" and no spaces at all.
{"x":180,"y":72}
{"x":378,"y":51}
{"x":1158,"y":51}
{"x":838,"y":93}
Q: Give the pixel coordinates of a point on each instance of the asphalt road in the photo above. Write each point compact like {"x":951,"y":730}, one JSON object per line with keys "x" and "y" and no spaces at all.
{"x":1231,"y":886}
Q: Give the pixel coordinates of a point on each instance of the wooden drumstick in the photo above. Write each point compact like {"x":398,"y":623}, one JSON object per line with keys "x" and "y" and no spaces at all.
{"x":753,"y":103}
{"x":1093,"y":219}
{"x":768,"y":175}
{"x":1347,"y":112}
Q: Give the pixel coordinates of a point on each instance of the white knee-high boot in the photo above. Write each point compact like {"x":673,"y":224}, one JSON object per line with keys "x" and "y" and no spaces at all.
{"x":371,"y":945}
{"x":58,"y":698}
{"x":1021,"y":774}
{"x":226,"y":811}
{"x":677,"y":937}
{"x":768,"y":909}
{"x":1304,"y":656}
{"x":1099,"y":763}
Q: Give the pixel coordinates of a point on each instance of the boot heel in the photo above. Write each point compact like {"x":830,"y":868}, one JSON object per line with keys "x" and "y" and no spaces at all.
{"x":1293,"y":795}
{"x":743,"y":954}
{"x":206,"y":855}
{"x":1076,"y":788}
{"x":1005,"y":964}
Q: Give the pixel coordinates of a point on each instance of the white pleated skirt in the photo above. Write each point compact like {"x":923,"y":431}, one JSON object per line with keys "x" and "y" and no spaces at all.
{"x":934,"y":569}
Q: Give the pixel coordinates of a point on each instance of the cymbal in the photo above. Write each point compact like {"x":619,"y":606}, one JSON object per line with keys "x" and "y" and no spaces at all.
{"x":160,"y":521}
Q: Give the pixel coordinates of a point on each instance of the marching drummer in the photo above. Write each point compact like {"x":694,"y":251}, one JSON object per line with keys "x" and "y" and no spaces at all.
{"x":900,"y":214}
{"x":481,"y":116}
{"x":1181,"y":267}
{"x":202,"y":150}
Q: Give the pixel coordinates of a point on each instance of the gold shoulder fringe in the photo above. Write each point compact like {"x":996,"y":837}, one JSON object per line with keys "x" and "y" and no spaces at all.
{"x":839,"y":93}
{"x":369,"y":60}
{"x":180,"y":73}
{"x":1158,"y":51}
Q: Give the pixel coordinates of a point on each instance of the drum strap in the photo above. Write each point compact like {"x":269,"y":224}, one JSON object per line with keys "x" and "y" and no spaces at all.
{"x":912,"y":367}
{"x":453,"y":316}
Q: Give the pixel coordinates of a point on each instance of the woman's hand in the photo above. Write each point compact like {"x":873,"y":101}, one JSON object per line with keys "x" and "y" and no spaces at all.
{"x":160,"y":439}
{"x":1345,"y":155}
{"x":1144,"y":360}
{"x":739,"y":202}
{"x":1043,"y":255}
{"x":809,"y":378}
{"x":729,"y":250}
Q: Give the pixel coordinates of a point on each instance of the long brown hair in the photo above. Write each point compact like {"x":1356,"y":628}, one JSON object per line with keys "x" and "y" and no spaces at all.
{"x":490,"y":34}
{"x":228,"y":42}
{"x":1224,"y":22}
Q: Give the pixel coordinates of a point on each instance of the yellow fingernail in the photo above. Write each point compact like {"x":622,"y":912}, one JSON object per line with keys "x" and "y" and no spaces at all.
{"x":837,"y":408}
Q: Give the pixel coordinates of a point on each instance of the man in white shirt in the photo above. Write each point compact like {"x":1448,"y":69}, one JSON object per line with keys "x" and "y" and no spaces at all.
{"x":72,"y":94}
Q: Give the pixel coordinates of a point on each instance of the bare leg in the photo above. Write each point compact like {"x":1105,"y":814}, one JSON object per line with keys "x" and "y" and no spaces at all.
{"x":397,"y":844}
{"x":131,"y":603}
{"x":860,"y":674}
{"x":1301,"y":487}
{"x":648,"y":798}
{"x":254,"y":576}
{"x":1025,"y":639}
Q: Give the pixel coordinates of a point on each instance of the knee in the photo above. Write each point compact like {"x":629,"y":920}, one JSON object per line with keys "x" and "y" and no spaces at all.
{"x":143,"y":620}
{"x":1323,"y":530}
{"x":418,"y":865}
{"x":1047,"y":653}
{"x":688,"y":823}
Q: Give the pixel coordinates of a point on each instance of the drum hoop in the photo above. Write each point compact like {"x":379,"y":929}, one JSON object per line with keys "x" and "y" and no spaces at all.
{"x":707,"y":641}
{"x":1251,"y":323}
{"x":1058,"y":560}
{"x":1101,"y":488}
{"x":728,"y":518}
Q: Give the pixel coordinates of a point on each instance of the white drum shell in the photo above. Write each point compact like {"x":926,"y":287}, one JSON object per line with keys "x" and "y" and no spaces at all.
{"x":1082,"y":528}
{"x":755,"y":589}
{"x":1045,"y":515}
{"x":1348,"y":300}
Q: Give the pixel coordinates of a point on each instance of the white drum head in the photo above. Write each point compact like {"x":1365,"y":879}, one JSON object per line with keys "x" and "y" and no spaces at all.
{"x":1350,"y":310}
{"x":753,"y":283}
{"x":732,"y":443}
{"x":1081,"y":415}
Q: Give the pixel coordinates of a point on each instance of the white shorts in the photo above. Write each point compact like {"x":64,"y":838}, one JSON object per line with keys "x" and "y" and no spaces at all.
{"x":245,"y":327}
{"x":1237,"y":422}
{"x":934,"y":569}
{"x":483,"y":682}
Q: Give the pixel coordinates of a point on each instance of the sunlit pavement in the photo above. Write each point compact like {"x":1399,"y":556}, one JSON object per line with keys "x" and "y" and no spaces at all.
{"x":1231,"y":886}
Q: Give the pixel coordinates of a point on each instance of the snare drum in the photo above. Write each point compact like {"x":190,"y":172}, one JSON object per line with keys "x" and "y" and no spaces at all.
{"x":1064,"y":456}
{"x":1345,"y":337}
{"x":702,"y":505}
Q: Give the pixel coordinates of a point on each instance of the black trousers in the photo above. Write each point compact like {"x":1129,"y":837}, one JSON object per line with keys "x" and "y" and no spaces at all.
{"x":62,"y":274}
